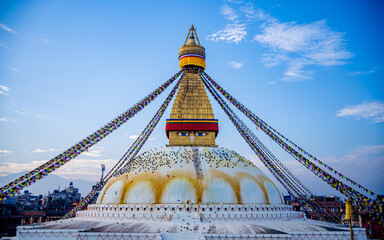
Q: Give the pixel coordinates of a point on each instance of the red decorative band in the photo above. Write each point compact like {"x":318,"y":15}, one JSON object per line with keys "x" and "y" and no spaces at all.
{"x":192,"y":125}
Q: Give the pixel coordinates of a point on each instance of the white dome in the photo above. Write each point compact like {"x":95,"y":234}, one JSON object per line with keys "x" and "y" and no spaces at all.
{"x":200,"y":174}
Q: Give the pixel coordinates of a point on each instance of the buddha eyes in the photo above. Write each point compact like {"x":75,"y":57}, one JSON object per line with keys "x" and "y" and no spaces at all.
{"x":183,"y":134}
{"x":199,"y":134}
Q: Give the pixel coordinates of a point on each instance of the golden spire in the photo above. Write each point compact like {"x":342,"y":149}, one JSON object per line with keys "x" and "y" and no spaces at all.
{"x":192,"y":122}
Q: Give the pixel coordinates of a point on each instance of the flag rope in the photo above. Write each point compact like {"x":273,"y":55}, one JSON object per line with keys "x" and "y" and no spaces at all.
{"x":38,"y":173}
{"x":259,"y":123}
{"x":129,"y":154}
{"x":363,"y":201}
{"x":264,"y":154}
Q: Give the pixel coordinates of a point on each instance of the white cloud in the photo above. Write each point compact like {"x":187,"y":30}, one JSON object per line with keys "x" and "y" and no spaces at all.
{"x":6,"y":28}
{"x":370,"y":156}
{"x":3,"y":119}
{"x":289,"y":37}
{"x":20,"y":112}
{"x":38,"y":150}
{"x":229,"y":13}
{"x":38,"y":115}
{"x":234,"y":32}
{"x":4,"y":90}
{"x":88,"y":169}
{"x":362,"y":72}
{"x":92,"y":153}
{"x":301,"y":45}
{"x":235,"y":65}
{"x":295,"y":71}
{"x":8,"y":168}
{"x":14,"y":69}
{"x":273,"y":59}
{"x":95,"y":151}
{"x":365,"y":165}
{"x":3,"y":45}
{"x":5,"y":151}
{"x":250,"y":13}
{"x":314,"y":41}
{"x":133,"y":136}
{"x":368,"y":110}
{"x":234,"y":1}
{"x":45,"y":40}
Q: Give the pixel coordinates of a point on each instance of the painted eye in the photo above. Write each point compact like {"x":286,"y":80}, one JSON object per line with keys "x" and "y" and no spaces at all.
{"x":183,"y":134}
{"x":200,"y":134}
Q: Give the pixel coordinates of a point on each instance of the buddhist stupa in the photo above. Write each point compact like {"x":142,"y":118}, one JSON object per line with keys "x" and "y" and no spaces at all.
{"x":191,"y":188}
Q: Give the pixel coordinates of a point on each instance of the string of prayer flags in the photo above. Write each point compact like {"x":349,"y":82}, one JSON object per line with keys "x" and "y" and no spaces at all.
{"x":268,"y":160}
{"x":130,"y":154}
{"x":38,"y":173}
{"x":364,"y":202}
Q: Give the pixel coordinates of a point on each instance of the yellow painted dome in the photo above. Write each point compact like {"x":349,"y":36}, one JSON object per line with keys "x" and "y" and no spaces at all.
{"x":201,"y":174}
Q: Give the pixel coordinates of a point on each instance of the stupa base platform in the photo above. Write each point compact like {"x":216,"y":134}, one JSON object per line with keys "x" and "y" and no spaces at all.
{"x":25,"y":233}
{"x":195,"y":222}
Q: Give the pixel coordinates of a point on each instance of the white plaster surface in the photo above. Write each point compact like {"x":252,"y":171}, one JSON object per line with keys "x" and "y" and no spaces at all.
{"x":113,"y":193}
{"x":178,"y":190}
{"x":200,"y":174}
{"x":143,"y":187}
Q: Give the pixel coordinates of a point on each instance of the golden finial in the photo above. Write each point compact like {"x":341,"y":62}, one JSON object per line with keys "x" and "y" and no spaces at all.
{"x":192,"y":54}
{"x":191,"y":35}
{"x":191,"y":40}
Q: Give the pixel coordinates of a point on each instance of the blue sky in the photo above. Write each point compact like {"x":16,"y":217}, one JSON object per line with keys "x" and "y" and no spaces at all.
{"x":311,"y":69}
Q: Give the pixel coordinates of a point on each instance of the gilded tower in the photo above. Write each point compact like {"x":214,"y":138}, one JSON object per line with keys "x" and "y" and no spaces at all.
{"x":192,"y":122}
